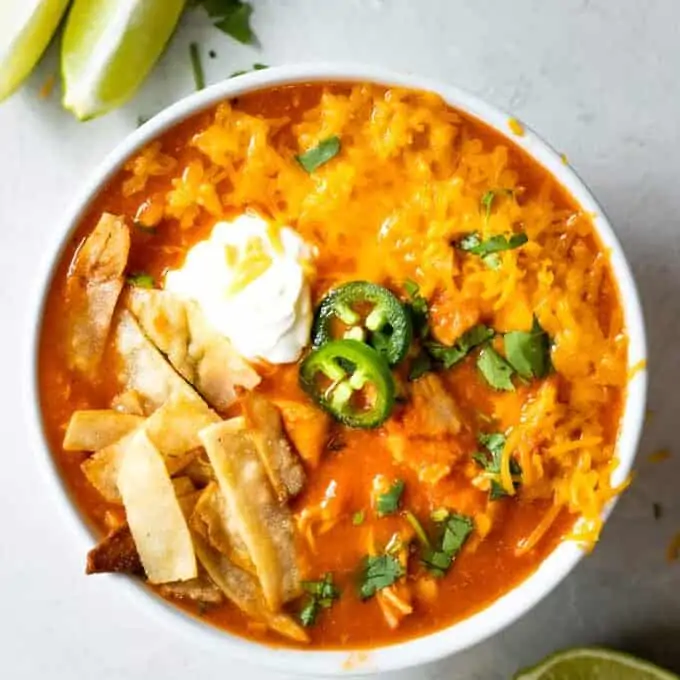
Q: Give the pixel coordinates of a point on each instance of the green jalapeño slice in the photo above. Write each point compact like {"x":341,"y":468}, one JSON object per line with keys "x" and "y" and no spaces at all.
{"x":367,"y":312}
{"x":351,"y":381}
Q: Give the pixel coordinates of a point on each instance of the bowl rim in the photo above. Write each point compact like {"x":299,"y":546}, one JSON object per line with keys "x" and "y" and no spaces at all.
{"x":501,"y":612}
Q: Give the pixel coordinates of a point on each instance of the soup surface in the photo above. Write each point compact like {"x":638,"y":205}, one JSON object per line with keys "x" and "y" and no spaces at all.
{"x":444,"y":431}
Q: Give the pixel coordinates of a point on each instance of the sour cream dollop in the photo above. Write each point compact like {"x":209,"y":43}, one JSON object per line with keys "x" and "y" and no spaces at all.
{"x":249,"y":279}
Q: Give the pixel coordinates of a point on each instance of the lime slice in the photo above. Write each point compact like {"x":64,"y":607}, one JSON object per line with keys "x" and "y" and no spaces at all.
{"x":109,"y":48}
{"x":594,"y":664}
{"x":25,"y":31}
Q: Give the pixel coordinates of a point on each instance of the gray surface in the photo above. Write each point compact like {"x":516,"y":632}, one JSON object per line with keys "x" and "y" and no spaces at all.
{"x":599,"y":79}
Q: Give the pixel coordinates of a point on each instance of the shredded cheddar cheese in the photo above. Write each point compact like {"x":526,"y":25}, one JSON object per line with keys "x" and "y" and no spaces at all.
{"x":405,"y":186}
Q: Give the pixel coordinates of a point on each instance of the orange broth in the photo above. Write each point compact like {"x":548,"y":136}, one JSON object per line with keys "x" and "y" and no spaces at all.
{"x":488,"y":567}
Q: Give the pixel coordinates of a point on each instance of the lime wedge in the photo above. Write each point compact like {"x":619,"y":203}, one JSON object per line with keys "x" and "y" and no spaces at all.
{"x":25,"y":31}
{"x":109,"y":48}
{"x":594,"y":664}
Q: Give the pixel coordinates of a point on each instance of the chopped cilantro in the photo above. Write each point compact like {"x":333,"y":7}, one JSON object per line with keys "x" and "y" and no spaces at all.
{"x":489,"y":197}
{"x":141,"y":280}
{"x":490,"y":461}
{"x":197,"y":66}
{"x":378,"y":572}
{"x":449,"y":356}
{"x":529,"y":352}
{"x":452,"y":532}
{"x":358,"y":518}
{"x":487,"y":250}
{"x":230,"y":16}
{"x":388,"y":502}
{"x":255,"y":67}
{"x":323,"y":152}
{"x":320,"y":595}
{"x":495,"y":369}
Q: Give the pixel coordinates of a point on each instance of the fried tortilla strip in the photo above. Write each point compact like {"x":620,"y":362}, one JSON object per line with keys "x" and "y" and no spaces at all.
{"x":212,"y":521}
{"x":199,"y":589}
{"x":115,"y":553}
{"x":143,"y":368}
{"x":183,"y":486}
{"x":244,"y":591}
{"x":265,"y":525}
{"x":154,"y":515}
{"x":201,"y":355}
{"x":307,"y":428}
{"x":283,"y":465}
{"x":93,"y":286}
{"x":96,"y":429}
{"x":173,"y":429}
{"x":199,"y":471}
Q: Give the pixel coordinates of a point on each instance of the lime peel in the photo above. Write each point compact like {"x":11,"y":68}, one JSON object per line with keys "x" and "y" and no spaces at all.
{"x":26,"y":29}
{"x":585,"y":663}
{"x":109,"y":47}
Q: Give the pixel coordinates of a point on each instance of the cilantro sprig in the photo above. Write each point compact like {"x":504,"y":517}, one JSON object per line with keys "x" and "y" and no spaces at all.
{"x":378,"y":572}
{"x":490,"y":461}
{"x":449,"y":356}
{"x":488,"y":249}
{"x":388,"y":503}
{"x":320,"y":596}
{"x":230,"y":16}
{"x":323,"y":152}
{"x":451,"y":534}
{"x":528,"y":352}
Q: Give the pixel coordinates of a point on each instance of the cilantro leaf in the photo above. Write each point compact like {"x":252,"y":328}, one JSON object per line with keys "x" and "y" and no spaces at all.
{"x":529,"y":352}
{"x":320,"y":595}
{"x":489,"y":197}
{"x":495,"y":369}
{"x":230,"y":16}
{"x":452,"y":532}
{"x":490,"y":462}
{"x":358,"y":518}
{"x":388,"y":502}
{"x":141,"y":280}
{"x":323,"y":152}
{"x":449,"y":356}
{"x":488,"y":250}
{"x":378,"y":572}
{"x":236,"y":23}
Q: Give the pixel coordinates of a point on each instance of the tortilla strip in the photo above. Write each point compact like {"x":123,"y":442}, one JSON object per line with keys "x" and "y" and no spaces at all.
{"x":265,"y":525}
{"x":143,"y":368}
{"x":307,"y":428}
{"x":283,"y":465}
{"x":115,"y":553}
{"x":173,"y":429}
{"x":93,"y":430}
{"x":200,"y":354}
{"x":155,"y":518}
{"x":244,"y":591}
{"x":199,"y":471}
{"x":199,"y":589}
{"x":183,"y":486}
{"x":212,"y":521}
{"x":93,"y":286}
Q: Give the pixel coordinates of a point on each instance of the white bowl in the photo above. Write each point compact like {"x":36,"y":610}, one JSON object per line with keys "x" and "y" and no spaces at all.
{"x":553,"y":569}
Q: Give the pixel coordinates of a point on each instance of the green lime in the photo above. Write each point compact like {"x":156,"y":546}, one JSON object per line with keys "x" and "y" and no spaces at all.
{"x":26,"y":29}
{"x":594,"y":664}
{"x":109,"y":48}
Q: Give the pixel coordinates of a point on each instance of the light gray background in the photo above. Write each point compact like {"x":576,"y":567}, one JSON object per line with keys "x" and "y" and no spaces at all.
{"x":599,"y":79}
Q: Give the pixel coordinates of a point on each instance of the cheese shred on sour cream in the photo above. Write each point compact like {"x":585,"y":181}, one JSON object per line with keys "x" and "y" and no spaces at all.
{"x":249,"y":278}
